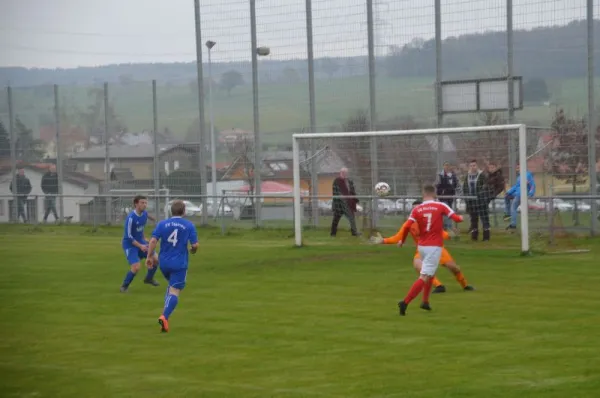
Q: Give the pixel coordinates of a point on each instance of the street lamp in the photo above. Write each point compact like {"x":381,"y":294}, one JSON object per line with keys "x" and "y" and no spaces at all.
{"x":213,"y":152}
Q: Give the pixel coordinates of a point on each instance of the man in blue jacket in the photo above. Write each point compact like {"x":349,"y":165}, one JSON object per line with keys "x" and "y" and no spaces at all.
{"x":512,"y":200}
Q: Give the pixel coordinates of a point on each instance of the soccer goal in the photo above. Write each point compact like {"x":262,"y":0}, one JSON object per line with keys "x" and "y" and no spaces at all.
{"x":406,"y":160}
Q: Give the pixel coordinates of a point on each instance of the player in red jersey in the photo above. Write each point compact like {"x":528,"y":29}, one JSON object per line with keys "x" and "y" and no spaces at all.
{"x":429,"y":215}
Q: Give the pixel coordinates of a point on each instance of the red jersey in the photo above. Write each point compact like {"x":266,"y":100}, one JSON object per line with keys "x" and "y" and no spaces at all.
{"x":429,"y":216}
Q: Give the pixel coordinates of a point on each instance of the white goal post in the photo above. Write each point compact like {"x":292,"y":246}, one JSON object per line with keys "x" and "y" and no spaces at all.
{"x":411,"y":152}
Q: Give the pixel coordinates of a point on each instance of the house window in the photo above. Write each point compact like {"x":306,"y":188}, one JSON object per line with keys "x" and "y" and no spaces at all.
{"x":1,"y":207}
{"x":86,"y":167}
{"x":167,"y":167}
{"x":175,"y":165}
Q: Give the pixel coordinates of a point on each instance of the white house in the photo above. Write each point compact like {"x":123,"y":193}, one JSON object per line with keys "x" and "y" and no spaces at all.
{"x":77,"y":189}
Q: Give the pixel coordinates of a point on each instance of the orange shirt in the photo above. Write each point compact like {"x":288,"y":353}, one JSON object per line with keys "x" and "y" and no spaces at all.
{"x":414,"y":232}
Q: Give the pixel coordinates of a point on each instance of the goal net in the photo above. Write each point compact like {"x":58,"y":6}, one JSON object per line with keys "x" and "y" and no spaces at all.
{"x":407,"y":160}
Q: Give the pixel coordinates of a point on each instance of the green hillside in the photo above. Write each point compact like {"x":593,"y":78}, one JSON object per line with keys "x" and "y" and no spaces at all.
{"x":283,"y":108}
{"x":555,"y":54}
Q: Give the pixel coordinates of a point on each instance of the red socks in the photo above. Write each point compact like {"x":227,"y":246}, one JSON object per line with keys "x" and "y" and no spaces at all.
{"x":427,"y":291}
{"x":415,"y":290}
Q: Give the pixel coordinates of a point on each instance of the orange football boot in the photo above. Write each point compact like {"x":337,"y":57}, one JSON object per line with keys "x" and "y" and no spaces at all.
{"x":164,"y":324}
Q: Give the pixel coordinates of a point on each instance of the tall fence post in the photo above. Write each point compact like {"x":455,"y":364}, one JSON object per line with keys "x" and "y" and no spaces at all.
{"x":314,"y":178}
{"x":512,"y":159}
{"x":256,"y":116}
{"x":155,"y":173}
{"x":13,"y":152}
{"x":59,"y":158}
{"x":202,"y":131}
{"x":438,"y":81}
{"x":592,"y":121}
{"x":107,"y":156}
{"x":372,"y":109}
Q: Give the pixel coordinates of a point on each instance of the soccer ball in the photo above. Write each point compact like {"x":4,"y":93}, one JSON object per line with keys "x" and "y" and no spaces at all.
{"x":382,"y":189}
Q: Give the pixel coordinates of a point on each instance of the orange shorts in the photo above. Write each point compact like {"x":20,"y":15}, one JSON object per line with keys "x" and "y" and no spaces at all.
{"x":444,"y":259}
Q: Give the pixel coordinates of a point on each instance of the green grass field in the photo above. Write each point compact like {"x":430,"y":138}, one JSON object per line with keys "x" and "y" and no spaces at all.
{"x":283,"y":108}
{"x":260,"y":318}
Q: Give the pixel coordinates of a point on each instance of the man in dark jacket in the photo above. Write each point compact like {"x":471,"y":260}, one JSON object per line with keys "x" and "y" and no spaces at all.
{"x":343,"y":186}
{"x":21,"y":186}
{"x":50,"y":189}
{"x":475,"y":184}
{"x":446,"y":185}
{"x":495,"y":180}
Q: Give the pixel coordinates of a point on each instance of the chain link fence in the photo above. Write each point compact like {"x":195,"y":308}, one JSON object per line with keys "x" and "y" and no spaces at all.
{"x":78,"y":152}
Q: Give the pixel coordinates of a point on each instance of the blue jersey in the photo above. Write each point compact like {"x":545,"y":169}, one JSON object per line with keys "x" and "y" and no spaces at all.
{"x":134,"y":229}
{"x":174,"y":235}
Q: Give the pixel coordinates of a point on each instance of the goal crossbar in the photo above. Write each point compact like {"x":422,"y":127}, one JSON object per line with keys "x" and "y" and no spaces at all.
{"x":387,"y":133}
{"x":522,"y":159}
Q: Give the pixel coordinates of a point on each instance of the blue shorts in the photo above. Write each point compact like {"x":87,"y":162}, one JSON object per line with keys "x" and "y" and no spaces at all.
{"x":175,"y":276}
{"x":134,"y":255}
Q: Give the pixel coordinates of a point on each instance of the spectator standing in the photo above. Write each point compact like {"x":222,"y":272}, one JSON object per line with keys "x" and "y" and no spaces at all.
{"x":447,"y":185}
{"x":50,"y":189}
{"x":496,"y":182}
{"x":343,"y":186}
{"x":476,"y":185}
{"x":21,"y":187}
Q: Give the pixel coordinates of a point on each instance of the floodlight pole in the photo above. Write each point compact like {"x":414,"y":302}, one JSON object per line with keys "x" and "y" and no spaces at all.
{"x":213,"y":151}
{"x":256,"y":52}
{"x":201,"y":131}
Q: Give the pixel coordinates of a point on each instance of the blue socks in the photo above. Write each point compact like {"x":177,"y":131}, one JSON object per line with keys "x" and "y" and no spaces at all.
{"x":170,"y":304}
{"x":151,"y":272}
{"x":128,"y":279}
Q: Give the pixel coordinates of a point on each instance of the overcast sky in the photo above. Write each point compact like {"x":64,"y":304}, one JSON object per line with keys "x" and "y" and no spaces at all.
{"x":71,"y":33}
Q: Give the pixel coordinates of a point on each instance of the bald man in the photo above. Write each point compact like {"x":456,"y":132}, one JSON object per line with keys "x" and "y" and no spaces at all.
{"x":343,"y":186}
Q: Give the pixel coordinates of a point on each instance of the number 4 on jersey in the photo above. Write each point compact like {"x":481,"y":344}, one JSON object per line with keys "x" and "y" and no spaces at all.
{"x":173,"y":238}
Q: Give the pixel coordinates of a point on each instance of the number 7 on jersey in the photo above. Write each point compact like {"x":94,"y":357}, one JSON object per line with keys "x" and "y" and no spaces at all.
{"x":428,"y":216}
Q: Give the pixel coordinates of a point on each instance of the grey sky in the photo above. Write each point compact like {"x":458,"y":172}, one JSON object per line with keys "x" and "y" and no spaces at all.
{"x":70,"y":33}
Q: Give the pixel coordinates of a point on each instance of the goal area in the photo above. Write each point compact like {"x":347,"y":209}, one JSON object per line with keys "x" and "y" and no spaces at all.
{"x":406,"y":160}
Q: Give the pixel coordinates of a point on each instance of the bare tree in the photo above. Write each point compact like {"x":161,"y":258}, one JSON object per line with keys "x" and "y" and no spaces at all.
{"x":355,"y":152}
{"x":569,"y":153}
{"x":408,"y":159}
{"x":242,"y":151}
{"x":484,"y":146}
{"x":569,"y":150}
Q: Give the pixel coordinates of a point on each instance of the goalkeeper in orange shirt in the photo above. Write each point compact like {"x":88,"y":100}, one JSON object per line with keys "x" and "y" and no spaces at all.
{"x":446,"y":259}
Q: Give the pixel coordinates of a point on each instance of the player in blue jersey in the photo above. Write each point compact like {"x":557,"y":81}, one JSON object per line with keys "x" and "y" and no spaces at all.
{"x":135,"y":245}
{"x":174,"y":235}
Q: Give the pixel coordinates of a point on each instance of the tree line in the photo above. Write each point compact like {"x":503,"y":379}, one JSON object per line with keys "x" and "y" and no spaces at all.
{"x":548,"y":52}
{"x":27,"y":148}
